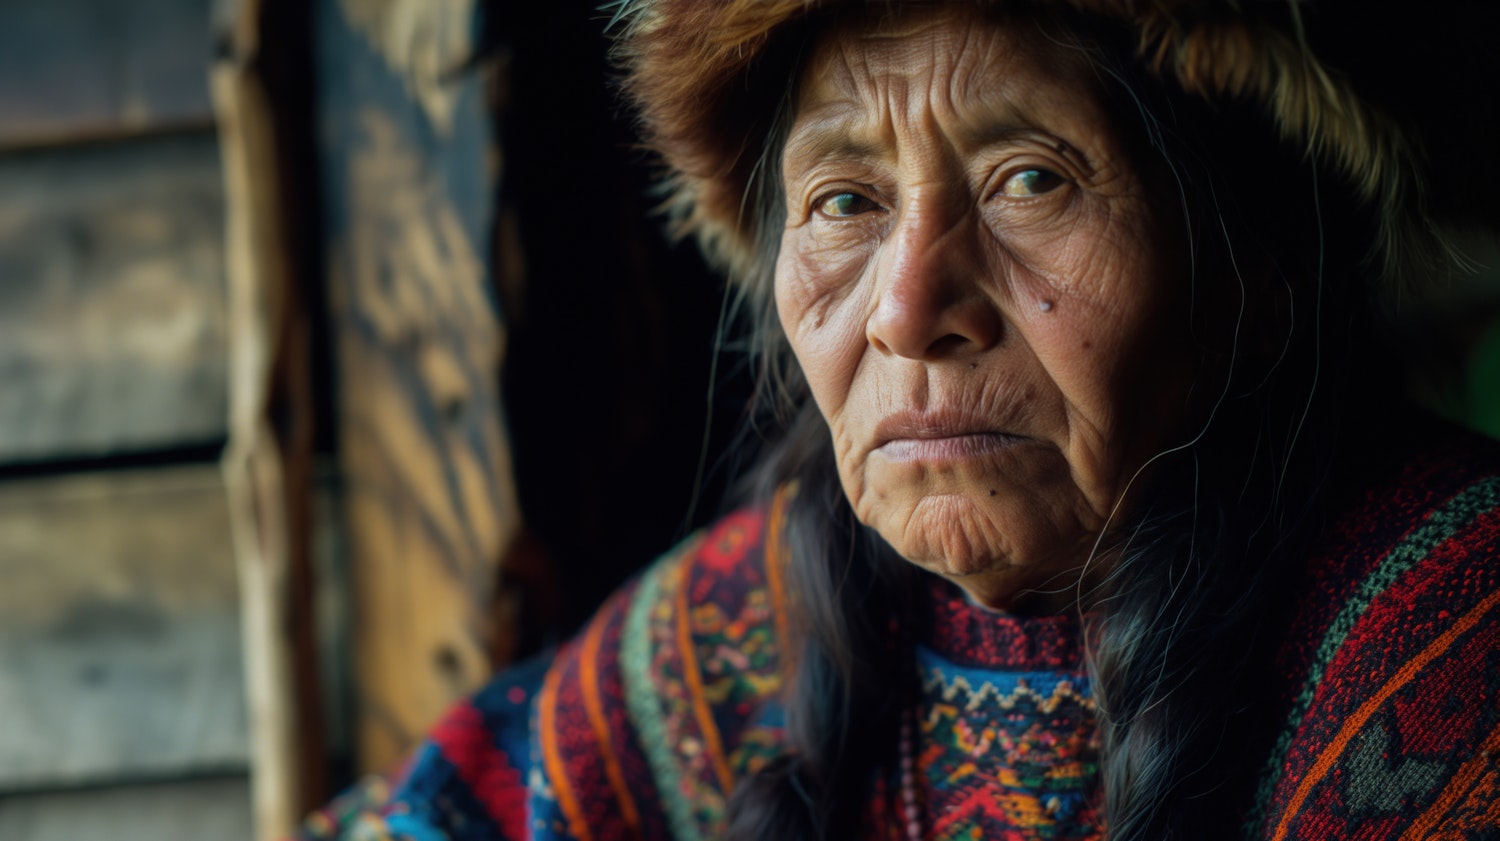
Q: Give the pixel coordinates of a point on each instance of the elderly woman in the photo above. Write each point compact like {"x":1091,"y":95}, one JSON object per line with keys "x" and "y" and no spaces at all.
{"x":1094,"y":513}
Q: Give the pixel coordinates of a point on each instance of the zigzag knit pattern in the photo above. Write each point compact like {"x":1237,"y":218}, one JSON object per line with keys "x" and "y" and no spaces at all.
{"x":1007,"y":754}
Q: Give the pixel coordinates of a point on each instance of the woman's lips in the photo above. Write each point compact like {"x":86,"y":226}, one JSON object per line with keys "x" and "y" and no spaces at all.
{"x":939,"y":437}
{"x":947,"y":448}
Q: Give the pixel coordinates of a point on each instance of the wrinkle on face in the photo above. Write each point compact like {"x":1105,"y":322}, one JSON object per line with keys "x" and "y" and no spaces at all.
{"x":1054,"y":317}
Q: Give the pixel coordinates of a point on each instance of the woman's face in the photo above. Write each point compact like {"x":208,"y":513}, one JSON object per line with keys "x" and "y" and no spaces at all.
{"x":987,"y":297}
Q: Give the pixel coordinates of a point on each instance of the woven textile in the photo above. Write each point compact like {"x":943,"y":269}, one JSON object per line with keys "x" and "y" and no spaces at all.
{"x":1391,"y":670}
{"x":1007,"y":754}
{"x":1387,"y":691}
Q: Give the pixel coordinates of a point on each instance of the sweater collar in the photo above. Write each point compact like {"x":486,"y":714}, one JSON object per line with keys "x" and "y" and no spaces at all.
{"x":970,"y":635}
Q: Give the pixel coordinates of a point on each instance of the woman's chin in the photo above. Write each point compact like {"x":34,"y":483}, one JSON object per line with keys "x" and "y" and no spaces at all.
{"x":978,"y":542}
{"x":951,"y":534}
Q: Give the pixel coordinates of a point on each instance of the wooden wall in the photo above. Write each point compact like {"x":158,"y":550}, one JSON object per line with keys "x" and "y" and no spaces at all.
{"x":409,"y":177}
{"x":112,"y":305}
{"x":119,"y":632}
{"x":176,"y":266}
{"x":81,"y":70}
{"x":120,"y":664}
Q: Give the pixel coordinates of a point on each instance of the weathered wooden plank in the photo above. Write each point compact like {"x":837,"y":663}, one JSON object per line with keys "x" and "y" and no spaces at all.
{"x":409,"y":181}
{"x":268,"y":460}
{"x":112,"y":300}
{"x":81,"y":69}
{"x":181,"y":811}
{"x":119,"y":636}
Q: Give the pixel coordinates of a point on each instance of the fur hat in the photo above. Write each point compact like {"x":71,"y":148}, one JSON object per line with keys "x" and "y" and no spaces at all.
{"x":1400,"y":100}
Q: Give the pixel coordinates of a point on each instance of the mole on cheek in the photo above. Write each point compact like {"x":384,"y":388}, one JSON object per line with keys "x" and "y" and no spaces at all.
{"x":1045,"y":305}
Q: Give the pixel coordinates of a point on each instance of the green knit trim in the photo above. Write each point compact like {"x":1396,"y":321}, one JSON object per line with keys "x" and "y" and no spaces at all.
{"x":1439,"y":526}
{"x":641,"y":697}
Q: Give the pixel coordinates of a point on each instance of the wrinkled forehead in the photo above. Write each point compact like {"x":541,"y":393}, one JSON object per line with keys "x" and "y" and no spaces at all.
{"x":966,"y":66}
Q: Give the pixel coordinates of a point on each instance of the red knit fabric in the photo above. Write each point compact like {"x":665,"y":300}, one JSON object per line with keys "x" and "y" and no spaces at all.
{"x":1390,"y":674}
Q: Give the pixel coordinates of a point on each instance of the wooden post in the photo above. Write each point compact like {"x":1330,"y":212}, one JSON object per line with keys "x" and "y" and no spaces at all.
{"x":410,"y":171}
{"x":267,"y":462}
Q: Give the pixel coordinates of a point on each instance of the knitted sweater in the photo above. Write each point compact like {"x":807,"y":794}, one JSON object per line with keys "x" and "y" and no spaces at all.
{"x":1387,"y":692}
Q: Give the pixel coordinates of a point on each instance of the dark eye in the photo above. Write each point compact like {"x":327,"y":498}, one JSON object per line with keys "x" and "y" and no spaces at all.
{"x":840,"y":205}
{"x":1031,"y":182}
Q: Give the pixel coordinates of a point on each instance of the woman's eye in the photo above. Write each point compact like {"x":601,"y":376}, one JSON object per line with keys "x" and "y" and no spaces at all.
{"x":1031,"y":182}
{"x":845,"y":204}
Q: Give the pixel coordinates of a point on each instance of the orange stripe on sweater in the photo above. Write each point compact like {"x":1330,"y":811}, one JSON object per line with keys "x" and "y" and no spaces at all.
{"x":1357,"y":721}
{"x":694,"y":680}
{"x":588,"y":658}
{"x":552,"y":759}
{"x":1457,"y":787}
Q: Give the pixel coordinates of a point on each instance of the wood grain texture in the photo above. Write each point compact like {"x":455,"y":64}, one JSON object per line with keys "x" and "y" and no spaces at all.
{"x":429,"y":501}
{"x":91,"y":69}
{"x":422,"y":41}
{"x":268,"y":461}
{"x":112,"y":306}
{"x":119,"y":628}
{"x":195,"y":810}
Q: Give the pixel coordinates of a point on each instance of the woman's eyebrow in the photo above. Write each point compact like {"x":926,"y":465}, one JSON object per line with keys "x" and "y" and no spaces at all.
{"x":840,"y":137}
{"x":1010,"y":130}
{"x":995,"y":132}
{"x":830,"y":138}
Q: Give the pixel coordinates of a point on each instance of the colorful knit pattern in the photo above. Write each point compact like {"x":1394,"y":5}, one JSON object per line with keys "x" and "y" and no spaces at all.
{"x":637,"y":729}
{"x":646,"y":723}
{"x":1006,"y":754}
{"x":1392,"y":666}
{"x":1389,"y":699}
{"x":465,"y":783}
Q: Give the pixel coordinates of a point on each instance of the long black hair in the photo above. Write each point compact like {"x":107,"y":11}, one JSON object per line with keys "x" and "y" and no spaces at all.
{"x":1182,"y":624}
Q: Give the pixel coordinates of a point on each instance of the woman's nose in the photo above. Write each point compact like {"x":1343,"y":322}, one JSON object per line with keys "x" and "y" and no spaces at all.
{"x":934,"y":295}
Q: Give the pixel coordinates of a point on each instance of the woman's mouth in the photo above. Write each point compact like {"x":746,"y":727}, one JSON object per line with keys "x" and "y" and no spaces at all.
{"x":939,"y":437}
{"x":947,"y":447}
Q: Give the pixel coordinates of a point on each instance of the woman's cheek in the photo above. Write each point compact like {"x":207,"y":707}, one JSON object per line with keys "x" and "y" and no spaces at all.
{"x":1078,"y":249}
{"x":816,"y":273}
{"x":822,"y":298}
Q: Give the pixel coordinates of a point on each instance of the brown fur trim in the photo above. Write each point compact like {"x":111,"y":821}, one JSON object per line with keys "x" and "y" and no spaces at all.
{"x":689,"y":66}
{"x":684,"y":59}
{"x":1317,"y":110}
